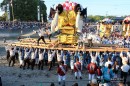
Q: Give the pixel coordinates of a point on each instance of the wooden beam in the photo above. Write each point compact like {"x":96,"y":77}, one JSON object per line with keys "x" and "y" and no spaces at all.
{"x":72,"y":48}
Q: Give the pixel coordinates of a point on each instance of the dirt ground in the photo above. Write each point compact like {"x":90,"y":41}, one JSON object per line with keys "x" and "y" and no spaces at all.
{"x":14,"y":76}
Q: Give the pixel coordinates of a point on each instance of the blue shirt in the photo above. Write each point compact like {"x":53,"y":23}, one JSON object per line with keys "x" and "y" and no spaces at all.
{"x":107,"y":74}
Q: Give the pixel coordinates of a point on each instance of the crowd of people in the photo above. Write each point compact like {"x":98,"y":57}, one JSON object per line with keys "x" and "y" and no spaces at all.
{"x":115,"y":38}
{"x":102,"y":66}
{"x":91,"y":32}
{"x":19,"y":25}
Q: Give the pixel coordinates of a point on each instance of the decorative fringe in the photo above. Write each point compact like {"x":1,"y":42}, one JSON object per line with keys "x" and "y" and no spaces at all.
{"x":56,"y":18}
{"x":127,"y":33}
{"x":98,"y":27}
{"x":78,"y":20}
{"x":80,"y":25}
{"x":54,"y":22}
{"x":128,"y":27}
{"x":112,"y":28}
{"x":105,"y":28}
{"x":124,"y":27}
{"x":52,"y":26}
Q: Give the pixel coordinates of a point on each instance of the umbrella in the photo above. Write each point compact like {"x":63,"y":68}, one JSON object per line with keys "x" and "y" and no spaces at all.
{"x":127,"y":20}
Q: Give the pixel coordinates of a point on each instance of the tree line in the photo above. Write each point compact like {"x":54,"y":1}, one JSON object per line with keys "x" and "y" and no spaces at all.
{"x":24,"y":10}
{"x":97,"y":18}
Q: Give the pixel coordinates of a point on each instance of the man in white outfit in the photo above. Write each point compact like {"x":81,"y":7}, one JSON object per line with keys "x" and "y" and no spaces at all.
{"x":12,"y":56}
{"x":72,"y":61}
{"x":77,"y":69}
{"x":81,"y":60}
{"x":108,"y":62}
{"x":41,"y":34}
{"x":59,"y":56}
{"x":21,"y":56}
{"x":124,"y":58}
{"x":48,"y":32}
{"x":51,"y":54}
{"x":32,"y":61}
{"x":27,"y":57}
{"x":94,"y":56}
{"x":40,"y":65}
{"x":124,"y":71}
{"x":65,"y":57}
{"x":62,"y":69}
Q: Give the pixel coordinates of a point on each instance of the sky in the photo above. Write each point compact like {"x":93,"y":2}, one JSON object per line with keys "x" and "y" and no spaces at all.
{"x":97,"y":7}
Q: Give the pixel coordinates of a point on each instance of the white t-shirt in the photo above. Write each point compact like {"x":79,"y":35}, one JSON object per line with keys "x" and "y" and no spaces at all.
{"x":128,"y":54}
{"x":94,"y":58}
{"x":124,"y":59}
{"x":59,"y":57}
{"x":81,"y":59}
{"x":107,"y":63}
{"x":26,"y":55}
{"x":50,"y":56}
{"x":41,"y":32}
{"x":125,"y":68}
{"x":12,"y":53}
{"x":40,"y":56}
{"x":33,"y":55}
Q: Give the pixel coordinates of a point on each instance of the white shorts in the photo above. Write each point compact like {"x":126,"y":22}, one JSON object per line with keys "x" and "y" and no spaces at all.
{"x":60,"y":78}
{"x":72,"y":64}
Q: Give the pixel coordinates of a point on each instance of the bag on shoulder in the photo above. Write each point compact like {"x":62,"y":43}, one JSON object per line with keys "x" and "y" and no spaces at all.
{"x":99,"y":72}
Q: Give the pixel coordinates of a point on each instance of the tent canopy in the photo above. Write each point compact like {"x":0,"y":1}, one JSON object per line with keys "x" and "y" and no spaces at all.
{"x":107,"y":20}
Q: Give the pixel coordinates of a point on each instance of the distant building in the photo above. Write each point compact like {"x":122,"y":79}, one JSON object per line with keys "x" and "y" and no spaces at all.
{"x":118,"y":19}
{"x":87,"y":19}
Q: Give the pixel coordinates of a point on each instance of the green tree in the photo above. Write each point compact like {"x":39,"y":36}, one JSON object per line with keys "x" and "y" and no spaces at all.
{"x":26,"y":10}
{"x":97,"y":18}
{"x":43,"y":10}
{"x":3,"y":17}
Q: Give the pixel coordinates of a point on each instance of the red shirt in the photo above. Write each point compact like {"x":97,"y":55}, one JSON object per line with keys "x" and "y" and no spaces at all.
{"x":92,"y":68}
{"x":59,"y":70}
{"x":78,"y":64}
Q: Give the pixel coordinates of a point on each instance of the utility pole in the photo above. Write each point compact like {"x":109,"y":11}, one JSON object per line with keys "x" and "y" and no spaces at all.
{"x":8,"y":13}
{"x":11,"y":2}
{"x":38,"y":11}
{"x":42,"y":18}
